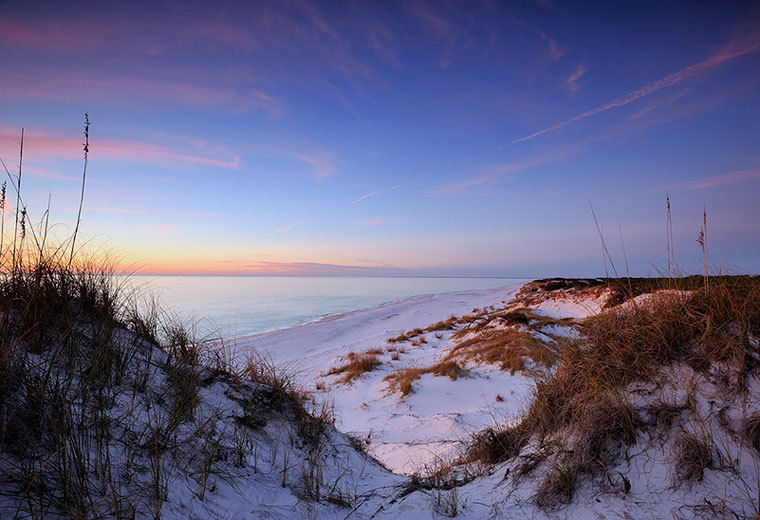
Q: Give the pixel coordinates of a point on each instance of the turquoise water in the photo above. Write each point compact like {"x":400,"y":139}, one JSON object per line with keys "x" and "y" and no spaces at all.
{"x":229,"y":306}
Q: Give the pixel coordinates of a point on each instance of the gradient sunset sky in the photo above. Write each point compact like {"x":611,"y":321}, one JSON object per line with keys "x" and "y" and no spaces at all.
{"x":433,"y":138}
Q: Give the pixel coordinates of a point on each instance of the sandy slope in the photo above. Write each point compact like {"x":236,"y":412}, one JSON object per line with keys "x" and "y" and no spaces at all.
{"x":411,"y":433}
{"x":263,"y":462}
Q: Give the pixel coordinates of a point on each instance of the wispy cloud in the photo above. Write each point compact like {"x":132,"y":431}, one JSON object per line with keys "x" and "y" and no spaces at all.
{"x":58,"y":85}
{"x":162,"y":230}
{"x":165,"y":212}
{"x":491,"y":173}
{"x":731,"y":51}
{"x":45,"y":174}
{"x":572,"y":80}
{"x":271,"y":233}
{"x":57,"y":36}
{"x":127,"y":149}
{"x":727,"y":178}
{"x":373,"y":193}
{"x":315,"y":268}
{"x":660,"y":103}
{"x":322,"y":165}
{"x":371,"y":222}
{"x":451,"y":188}
{"x":50,"y":143}
{"x":555,"y":51}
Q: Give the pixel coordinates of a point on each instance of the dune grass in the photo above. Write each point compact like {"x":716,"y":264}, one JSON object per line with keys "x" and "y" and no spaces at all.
{"x":584,"y":401}
{"x":356,"y":365}
{"x":403,"y":380}
{"x":100,"y":394}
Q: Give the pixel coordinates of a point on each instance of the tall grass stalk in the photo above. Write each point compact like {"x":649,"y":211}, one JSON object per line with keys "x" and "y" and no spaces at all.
{"x":670,"y":242}
{"x":86,"y":148}
{"x":702,"y":241}
{"x":18,"y":194}
{"x":2,"y":220}
{"x":605,"y":252}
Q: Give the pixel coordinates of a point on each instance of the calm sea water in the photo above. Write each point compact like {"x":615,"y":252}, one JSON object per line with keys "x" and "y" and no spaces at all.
{"x":229,"y":306}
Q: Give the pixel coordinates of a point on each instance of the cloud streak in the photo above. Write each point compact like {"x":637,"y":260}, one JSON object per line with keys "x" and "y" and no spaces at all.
{"x":272,"y":233}
{"x":59,"y":85}
{"x":373,"y":193}
{"x":49,"y":144}
{"x":166,"y":212}
{"x":727,"y":178}
{"x":315,"y":268}
{"x":555,"y":51}
{"x":572,"y":80}
{"x":492,"y":173}
{"x":746,"y":46}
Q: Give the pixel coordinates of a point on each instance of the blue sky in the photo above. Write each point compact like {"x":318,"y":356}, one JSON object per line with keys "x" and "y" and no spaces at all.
{"x":435,"y":138}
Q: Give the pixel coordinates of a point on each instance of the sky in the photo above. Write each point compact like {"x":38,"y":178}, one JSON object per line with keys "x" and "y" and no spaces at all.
{"x":389,"y":138}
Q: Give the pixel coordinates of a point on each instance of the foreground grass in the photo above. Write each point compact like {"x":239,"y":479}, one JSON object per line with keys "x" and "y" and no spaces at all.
{"x":101,"y":405}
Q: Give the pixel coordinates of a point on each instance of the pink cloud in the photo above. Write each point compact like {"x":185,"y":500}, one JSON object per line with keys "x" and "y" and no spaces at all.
{"x":50,"y":84}
{"x":572,"y":80}
{"x":165,"y":212}
{"x":162,"y":230}
{"x":729,"y":52}
{"x":126,"y":150}
{"x":371,"y":222}
{"x":728,"y":178}
{"x":84,"y":32}
{"x":44,"y":35}
{"x":313,"y":268}
{"x":451,"y":188}
{"x":431,"y":19}
{"x":45,"y":174}
{"x":667,"y":101}
{"x":47,"y":143}
{"x":555,"y":51}
{"x":321,"y":165}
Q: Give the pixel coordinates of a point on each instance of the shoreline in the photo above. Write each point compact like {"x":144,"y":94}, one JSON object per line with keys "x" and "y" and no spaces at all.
{"x":451,"y":302}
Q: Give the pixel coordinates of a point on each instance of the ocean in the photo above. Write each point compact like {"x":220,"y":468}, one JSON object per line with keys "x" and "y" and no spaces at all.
{"x":232,"y":306}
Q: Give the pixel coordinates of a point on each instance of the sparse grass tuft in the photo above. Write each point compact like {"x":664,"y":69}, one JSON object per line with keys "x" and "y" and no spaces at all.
{"x":356,"y":365}
{"x":751,"y":430}
{"x":693,"y":457}
{"x":403,"y":380}
{"x":559,"y":485}
{"x":494,"y":445}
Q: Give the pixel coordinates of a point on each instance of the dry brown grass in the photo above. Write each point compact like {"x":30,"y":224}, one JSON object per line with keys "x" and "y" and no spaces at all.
{"x":403,"y":380}
{"x":693,"y":457}
{"x":559,"y":485}
{"x":507,"y":348}
{"x":357,"y":365}
{"x":665,"y":414}
{"x":751,"y":430}
{"x":419,"y":341}
{"x":449,"y":324}
{"x":584,"y":403}
{"x":494,"y":445}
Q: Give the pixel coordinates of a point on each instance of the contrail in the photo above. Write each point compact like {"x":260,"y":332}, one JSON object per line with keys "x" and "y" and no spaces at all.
{"x":372,"y":194}
{"x":288,"y":227}
{"x":752,"y":44}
